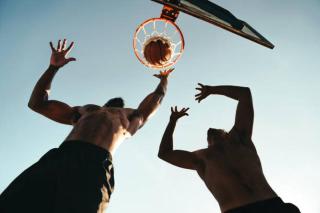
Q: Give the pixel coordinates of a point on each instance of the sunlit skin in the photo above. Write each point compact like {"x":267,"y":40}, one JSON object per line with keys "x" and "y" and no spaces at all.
{"x":105,"y":127}
{"x":230,"y":166}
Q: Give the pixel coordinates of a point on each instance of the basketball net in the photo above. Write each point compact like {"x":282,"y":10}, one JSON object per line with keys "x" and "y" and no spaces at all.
{"x":154,"y":29}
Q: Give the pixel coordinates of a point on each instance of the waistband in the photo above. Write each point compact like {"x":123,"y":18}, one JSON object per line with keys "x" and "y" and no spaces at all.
{"x":86,"y":148}
{"x":262,"y":206}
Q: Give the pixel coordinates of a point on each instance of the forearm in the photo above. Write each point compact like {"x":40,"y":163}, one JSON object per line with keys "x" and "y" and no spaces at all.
{"x":41,"y":89}
{"x":166,"y":144}
{"x":180,"y":158}
{"x":161,"y":90}
{"x":234,"y":92}
{"x":151,"y":103}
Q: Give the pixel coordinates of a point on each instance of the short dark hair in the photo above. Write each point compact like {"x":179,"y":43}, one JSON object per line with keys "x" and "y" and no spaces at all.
{"x":115,"y":102}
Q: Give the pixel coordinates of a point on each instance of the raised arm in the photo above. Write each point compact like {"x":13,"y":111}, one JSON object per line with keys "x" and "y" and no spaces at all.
{"x":244,"y":114}
{"x":39,"y":100}
{"x":151,"y":103}
{"x":180,"y":158}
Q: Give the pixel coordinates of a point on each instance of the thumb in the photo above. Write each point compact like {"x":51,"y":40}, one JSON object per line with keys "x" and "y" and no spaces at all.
{"x":70,"y":59}
{"x":157,"y":76}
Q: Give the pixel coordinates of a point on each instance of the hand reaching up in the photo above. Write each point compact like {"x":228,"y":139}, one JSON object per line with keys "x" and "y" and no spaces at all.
{"x":164,"y":74}
{"x":59,"y":55}
{"x":176,"y":114}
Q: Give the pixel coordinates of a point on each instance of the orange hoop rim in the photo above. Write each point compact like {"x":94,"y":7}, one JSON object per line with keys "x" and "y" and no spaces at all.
{"x":135,"y":42}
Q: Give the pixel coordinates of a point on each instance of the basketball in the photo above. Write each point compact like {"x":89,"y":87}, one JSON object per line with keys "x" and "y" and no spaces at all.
{"x":157,"y":51}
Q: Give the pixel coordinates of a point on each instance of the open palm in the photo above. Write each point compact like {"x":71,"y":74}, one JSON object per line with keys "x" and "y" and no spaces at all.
{"x":203,"y":92}
{"x":176,"y":114}
{"x":164,"y":74}
{"x":59,"y":55}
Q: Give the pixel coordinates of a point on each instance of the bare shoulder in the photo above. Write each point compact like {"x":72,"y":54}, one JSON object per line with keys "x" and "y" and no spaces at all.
{"x":90,"y":107}
{"x":205,"y":154}
{"x":86,"y":108}
{"x":200,"y":156}
{"x":239,"y":137}
{"x":200,"y":153}
{"x":129,"y":110}
{"x":79,"y":111}
{"x":241,"y":142}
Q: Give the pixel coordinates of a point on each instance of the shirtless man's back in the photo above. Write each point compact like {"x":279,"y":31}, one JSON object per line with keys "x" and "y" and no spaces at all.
{"x":105,"y":127}
{"x":77,"y":176}
{"x":230,"y":166}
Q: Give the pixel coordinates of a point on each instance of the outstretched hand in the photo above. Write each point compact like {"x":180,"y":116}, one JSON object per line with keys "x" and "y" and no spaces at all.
{"x":175,"y":114}
{"x":164,"y":74}
{"x":204,"y":92}
{"x":59,"y":55}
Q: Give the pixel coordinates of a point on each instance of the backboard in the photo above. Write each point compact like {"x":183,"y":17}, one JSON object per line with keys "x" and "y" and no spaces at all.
{"x":214,"y":14}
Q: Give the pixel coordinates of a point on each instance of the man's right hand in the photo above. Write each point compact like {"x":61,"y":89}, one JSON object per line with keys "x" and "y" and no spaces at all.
{"x":58,"y":56}
{"x":164,"y":74}
{"x":175,"y":114}
{"x":204,"y":92}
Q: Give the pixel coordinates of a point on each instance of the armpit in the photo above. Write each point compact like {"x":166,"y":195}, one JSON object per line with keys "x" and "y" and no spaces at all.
{"x":136,"y":121}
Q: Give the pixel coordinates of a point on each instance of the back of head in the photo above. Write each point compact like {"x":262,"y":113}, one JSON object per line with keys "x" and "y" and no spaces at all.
{"x":115,"y":102}
{"x":215,"y":136}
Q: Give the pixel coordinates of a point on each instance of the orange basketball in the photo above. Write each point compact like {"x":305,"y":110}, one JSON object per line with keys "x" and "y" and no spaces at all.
{"x":157,"y":52}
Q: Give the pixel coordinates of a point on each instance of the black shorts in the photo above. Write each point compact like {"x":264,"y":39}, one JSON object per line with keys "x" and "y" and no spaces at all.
{"x":76,"y":177}
{"x":273,"y":205}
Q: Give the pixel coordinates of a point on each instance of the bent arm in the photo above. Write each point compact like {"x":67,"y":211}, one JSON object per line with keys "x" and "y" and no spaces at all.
{"x":180,"y":158}
{"x":55,"y":110}
{"x":245,"y":113}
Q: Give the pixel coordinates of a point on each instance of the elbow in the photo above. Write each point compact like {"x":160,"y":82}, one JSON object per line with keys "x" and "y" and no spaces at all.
{"x":247,"y":90}
{"x":34,"y":106}
{"x":246,"y":93}
{"x":31,"y":105}
{"x":162,"y":155}
{"x":165,"y":155}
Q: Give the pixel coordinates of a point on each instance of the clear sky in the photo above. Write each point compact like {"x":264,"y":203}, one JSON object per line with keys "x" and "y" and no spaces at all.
{"x":284,"y":83}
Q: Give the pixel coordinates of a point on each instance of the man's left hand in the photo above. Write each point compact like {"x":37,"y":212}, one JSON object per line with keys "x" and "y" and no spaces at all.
{"x":176,"y":114}
{"x":59,"y":55}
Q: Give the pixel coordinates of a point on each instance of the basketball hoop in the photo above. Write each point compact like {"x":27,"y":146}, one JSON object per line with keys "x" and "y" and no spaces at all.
{"x":158,"y":28}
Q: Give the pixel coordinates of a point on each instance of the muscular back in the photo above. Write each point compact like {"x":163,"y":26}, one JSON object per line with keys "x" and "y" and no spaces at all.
{"x":232,"y":172}
{"x":104,"y":126}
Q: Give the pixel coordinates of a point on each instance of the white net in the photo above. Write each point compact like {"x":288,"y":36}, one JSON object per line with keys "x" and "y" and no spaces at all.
{"x":163,"y":29}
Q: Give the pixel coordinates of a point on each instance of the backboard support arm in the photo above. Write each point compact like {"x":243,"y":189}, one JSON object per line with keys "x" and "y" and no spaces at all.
{"x":169,"y":13}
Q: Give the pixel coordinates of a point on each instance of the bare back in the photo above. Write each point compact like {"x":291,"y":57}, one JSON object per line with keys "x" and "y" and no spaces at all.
{"x":232,"y":172}
{"x":230,"y":166}
{"x":104,"y":126}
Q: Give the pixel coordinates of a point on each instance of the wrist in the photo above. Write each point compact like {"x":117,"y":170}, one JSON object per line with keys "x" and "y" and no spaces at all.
{"x":53,"y":67}
{"x":173,"y":119}
{"x":164,"y":79}
{"x":211,"y":89}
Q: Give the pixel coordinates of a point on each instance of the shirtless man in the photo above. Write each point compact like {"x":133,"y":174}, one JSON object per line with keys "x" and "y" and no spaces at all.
{"x":230,"y":166}
{"x":77,"y":176}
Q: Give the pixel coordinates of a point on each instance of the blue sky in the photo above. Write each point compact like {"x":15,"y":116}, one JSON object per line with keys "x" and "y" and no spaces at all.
{"x":284,"y":83}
